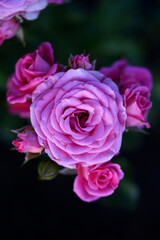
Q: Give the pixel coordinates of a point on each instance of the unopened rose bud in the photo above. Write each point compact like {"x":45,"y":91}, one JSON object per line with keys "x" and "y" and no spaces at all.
{"x":27,"y":141}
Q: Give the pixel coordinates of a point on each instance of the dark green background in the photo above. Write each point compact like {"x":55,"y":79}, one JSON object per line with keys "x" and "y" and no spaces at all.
{"x":107,"y":30}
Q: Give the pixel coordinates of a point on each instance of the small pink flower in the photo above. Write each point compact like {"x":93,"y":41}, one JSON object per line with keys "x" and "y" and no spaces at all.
{"x":28,"y":9}
{"x":97,"y":181}
{"x":81,"y":61}
{"x":79,"y":117}
{"x":115,"y":70}
{"x":8,"y":29}
{"x":136,"y":101}
{"x":27,"y":141}
{"x":136,"y":84}
{"x":30,"y":71}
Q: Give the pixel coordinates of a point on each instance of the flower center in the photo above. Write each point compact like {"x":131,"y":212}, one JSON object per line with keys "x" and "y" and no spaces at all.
{"x":81,"y":118}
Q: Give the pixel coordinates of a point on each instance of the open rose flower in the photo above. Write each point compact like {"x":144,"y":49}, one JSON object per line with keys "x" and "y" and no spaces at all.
{"x":114,"y":72}
{"x":81,"y":61}
{"x":8,"y":29}
{"x":28,"y":9}
{"x":136,"y":84}
{"x":27,"y":141}
{"x":79,"y":117}
{"x":30,"y":71}
{"x":97,"y":181}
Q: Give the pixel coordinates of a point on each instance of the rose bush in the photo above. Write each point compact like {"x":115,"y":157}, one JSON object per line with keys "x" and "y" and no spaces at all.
{"x":30,"y":71}
{"x":97,"y":181}
{"x":79,"y":117}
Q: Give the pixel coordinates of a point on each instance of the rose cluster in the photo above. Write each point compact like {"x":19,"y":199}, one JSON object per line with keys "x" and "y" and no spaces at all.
{"x":78,"y":114}
{"x":11,"y":12}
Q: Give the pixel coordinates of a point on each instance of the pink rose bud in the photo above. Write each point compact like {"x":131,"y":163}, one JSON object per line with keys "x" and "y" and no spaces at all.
{"x":136,"y":84}
{"x":97,"y":181}
{"x":27,"y":141}
{"x":29,"y":73}
{"x":28,"y":9}
{"x":81,"y":61}
{"x":8,"y":29}
{"x":79,"y":117}
{"x":115,"y":70}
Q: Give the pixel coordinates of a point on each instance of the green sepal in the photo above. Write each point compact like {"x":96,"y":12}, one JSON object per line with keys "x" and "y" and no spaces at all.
{"x":136,"y":129}
{"x":29,"y":156}
{"x":47,"y":170}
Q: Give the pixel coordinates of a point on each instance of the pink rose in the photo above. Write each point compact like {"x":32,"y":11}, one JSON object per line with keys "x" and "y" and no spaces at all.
{"x":79,"y":117}
{"x":97,"y":181}
{"x":136,"y":84}
{"x":8,"y":29}
{"x":137,"y":76}
{"x":136,"y":101}
{"x":22,"y":109}
{"x":27,"y":141}
{"x":81,"y":61}
{"x":30,"y":71}
{"x":115,"y":70}
{"x":28,"y":9}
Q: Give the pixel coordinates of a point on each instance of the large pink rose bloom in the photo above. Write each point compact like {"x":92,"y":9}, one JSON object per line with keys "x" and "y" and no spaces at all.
{"x":28,"y":9}
{"x":79,"y":117}
{"x":29,"y":73}
{"x":8,"y":29}
{"x":97,"y":181}
{"x":136,"y":84}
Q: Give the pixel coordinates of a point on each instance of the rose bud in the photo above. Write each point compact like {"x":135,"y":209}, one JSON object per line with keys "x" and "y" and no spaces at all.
{"x":27,"y":141}
{"x":81,"y":61}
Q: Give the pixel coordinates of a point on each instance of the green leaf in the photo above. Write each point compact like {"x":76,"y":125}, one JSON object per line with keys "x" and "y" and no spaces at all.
{"x":47,"y":170}
{"x":68,"y":171}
